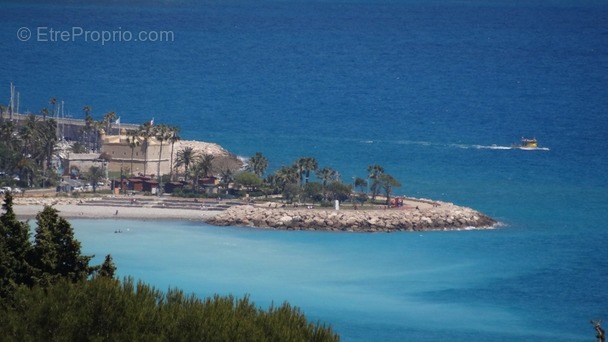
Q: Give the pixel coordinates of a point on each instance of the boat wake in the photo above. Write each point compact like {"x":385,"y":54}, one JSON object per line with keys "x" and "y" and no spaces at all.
{"x":461,"y":146}
{"x":498,"y":147}
{"x":479,"y":147}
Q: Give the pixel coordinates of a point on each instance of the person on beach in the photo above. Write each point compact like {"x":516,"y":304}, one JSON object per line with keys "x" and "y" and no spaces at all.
{"x":116,"y":213}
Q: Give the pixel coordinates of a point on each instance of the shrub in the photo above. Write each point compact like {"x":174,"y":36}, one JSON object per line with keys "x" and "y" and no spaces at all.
{"x":106,"y":309}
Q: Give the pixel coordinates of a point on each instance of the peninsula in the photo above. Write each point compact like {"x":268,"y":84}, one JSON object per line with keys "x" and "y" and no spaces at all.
{"x":440,"y":216}
{"x":416,"y":215}
{"x":148,"y":172}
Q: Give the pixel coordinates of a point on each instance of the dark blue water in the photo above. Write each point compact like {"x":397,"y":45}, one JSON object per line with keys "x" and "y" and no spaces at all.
{"x":432,"y":91}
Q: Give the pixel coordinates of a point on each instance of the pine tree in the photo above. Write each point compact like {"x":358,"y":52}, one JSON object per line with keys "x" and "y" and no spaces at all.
{"x":108,"y":268}
{"x":15,"y":248}
{"x":56,"y":251}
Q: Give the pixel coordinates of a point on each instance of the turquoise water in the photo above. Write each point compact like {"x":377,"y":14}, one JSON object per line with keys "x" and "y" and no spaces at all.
{"x":433,"y":91}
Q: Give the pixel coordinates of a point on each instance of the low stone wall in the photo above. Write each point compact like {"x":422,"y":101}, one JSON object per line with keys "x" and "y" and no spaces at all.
{"x":18,"y":200}
{"x":442,"y":217}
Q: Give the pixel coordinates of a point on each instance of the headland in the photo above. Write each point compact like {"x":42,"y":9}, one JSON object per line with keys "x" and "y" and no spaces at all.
{"x":423,"y":217}
{"x":439,"y":216}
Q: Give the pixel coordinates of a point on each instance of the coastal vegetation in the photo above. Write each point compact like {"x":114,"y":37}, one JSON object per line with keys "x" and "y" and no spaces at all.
{"x":27,"y":152}
{"x":49,"y":292}
{"x":304,"y":181}
{"x":32,"y":157}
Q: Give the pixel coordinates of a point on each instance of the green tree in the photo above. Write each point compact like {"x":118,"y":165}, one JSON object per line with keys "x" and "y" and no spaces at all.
{"x":202,"y":167}
{"x":162,"y":133}
{"x":339,"y":191}
{"x":257,"y":164}
{"x":286,"y":175}
{"x":89,"y":126}
{"x":361,"y":184}
{"x":387,"y":183}
{"x":27,"y":169}
{"x":305,"y":165}
{"x":249,"y":180}
{"x":87,"y":111}
{"x":173,"y":139}
{"x":146,"y":132}
{"x":15,"y":250}
{"x":226,"y":177}
{"x":326,"y":175}
{"x":53,"y":103}
{"x":57,"y":253}
{"x":28,"y":132}
{"x":95,"y":175}
{"x":98,"y":126}
{"x":291,"y":191}
{"x":374,"y":172}
{"x":8,"y":134}
{"x":206,"y":163}
{"x":105,"y":309}
{"x":108,"y":268}
{"x":108,"y":119}
{"x":313,"y":191}
{"x":133,"y":141}
{"x":186,"y":157}
{"x":47,"y":142}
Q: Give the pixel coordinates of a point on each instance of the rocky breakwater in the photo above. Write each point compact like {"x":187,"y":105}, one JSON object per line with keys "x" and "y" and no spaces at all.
{"x":444,"y":216}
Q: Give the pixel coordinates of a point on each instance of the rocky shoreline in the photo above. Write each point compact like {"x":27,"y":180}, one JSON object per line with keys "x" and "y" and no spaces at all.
{"x":443,"y":216}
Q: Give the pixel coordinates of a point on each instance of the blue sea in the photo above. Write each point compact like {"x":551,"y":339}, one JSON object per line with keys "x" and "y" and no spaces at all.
{"x":435,"y":91}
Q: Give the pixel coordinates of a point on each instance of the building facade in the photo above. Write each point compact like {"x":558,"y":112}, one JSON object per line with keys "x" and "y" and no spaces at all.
{"x":145,"y":157}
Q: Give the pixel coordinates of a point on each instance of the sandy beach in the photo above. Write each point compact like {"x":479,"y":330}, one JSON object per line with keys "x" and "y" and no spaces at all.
{"x":153,"y":208}
{"x":72,"y":210}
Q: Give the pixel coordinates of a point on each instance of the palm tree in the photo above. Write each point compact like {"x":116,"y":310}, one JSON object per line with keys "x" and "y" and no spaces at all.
{"x":89,"y":124}
{"x":97,"y":127}
{"x":300,"y":164}
{"x":304,"y":166}
{"x":27,"y":170}
{"x":108,"y":119}
{"x":174,"y":138}
{"x":133,"y":140}
{"x":226,"y":177}
{"x":257,"y":164}
{"x":162,"y":133}
{"x":87,"y":111}
{"x":206,"y":163}
{"x":146,"y":132}
{"x":47,"y":140}
{"x":28,"y":134}
{"x":326,"y":175}
{"x":8,"y":134}
{"x":202,"y":167}
{"x":53,"y":102}
{"x":374,"y":172}
{"x":287,"y":175}
{"x":186,"y":157}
